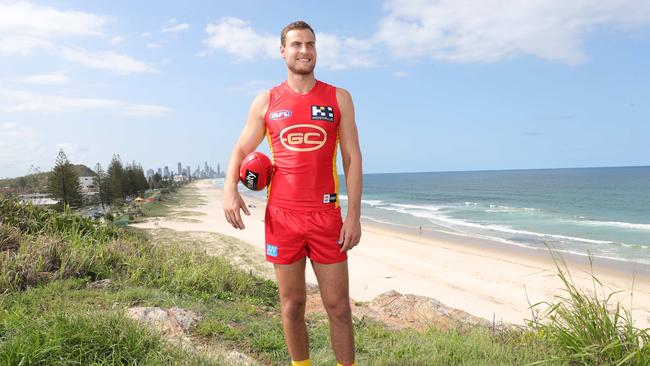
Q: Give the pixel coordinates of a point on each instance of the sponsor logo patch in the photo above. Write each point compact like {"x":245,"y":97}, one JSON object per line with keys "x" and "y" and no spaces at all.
{"x":251,"y":179}
{"x":322,"y":113}
{"x":329,"y":198}
{"x":278,"y":115}
{"x":303,"y":137}
{"x":271,"y":250}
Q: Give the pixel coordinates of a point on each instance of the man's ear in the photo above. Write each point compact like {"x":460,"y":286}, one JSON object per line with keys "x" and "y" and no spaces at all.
{"x":282,"y":51}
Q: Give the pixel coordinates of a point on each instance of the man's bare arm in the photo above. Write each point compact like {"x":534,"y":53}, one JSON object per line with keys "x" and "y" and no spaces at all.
{"x":250,"y":137}
{"x":351,"y":153}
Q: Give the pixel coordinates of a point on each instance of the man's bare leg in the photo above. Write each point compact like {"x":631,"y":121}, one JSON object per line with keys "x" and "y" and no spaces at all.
{"x":293,"y":296}
{"x":334,"y":291}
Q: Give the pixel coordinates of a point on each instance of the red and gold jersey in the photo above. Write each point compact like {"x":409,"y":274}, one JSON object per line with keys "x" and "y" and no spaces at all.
{"x":302,"y":131}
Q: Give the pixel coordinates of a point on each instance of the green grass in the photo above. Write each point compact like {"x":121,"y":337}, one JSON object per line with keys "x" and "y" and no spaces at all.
{"x":590,"y":329}
{"x":63,"y":324}
{"x":49,"y":317}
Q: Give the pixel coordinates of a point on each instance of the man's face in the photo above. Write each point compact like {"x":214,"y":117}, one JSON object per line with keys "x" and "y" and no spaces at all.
{"x":299,"y":51}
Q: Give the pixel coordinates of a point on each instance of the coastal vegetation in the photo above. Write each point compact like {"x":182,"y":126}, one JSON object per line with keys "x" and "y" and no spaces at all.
{"x":63,"y":182}
{"x":51,"y":314}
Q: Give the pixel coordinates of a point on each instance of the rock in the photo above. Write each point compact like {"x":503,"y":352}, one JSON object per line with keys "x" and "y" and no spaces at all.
{"x":175,"y":324}
{"x":172,"y":322}
{"x":239,"y":359}
{"x":101,"y":284}
{"x":421,"y":312}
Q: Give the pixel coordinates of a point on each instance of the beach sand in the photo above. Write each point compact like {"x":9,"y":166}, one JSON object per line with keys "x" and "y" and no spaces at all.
{"x":487,"y":279}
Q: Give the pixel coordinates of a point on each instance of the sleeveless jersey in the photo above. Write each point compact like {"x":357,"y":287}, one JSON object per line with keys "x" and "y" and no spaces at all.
{"x":302,"y":132}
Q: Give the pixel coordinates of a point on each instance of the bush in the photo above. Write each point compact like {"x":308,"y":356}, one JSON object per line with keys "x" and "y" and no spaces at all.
{"x":589,"y":330}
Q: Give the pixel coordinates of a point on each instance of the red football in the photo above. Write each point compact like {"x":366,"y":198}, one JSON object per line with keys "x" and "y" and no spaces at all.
{"x":255,"y":171}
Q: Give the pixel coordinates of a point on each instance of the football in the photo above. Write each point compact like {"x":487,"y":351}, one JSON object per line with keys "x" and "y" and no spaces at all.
{"x":255,"y":171}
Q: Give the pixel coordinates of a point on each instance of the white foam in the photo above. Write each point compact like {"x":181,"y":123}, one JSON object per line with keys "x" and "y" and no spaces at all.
{"x":432,"y":213}
{"x":624,"y":225}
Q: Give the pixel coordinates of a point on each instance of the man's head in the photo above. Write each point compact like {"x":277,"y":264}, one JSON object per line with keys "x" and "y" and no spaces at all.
{"x":298,"y":47}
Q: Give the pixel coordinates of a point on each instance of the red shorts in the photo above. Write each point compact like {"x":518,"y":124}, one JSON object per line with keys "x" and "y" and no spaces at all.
{"x":292,"y":235}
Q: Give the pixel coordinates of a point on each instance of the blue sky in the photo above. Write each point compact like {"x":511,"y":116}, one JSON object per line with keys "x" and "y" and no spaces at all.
{"x":438,"y":85}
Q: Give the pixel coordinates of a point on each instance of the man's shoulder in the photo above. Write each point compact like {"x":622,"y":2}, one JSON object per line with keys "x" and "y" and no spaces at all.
{"x":261,"y":103}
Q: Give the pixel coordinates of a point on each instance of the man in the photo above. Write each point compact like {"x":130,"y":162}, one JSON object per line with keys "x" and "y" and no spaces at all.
{"x":304,"y":120}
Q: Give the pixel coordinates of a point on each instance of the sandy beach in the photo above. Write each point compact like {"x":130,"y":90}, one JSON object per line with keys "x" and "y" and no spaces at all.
{"x":487,"y":279}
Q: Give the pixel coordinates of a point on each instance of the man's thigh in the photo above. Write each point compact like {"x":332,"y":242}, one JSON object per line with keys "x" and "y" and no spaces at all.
{"x":291,"y":280}
{"x":332,"y":281}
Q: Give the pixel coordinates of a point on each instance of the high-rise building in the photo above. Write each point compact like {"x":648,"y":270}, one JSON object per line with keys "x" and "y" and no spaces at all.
{"x":166,"y":170}
{"x":179,"y":169}
{"x":218,"y":170}
{"x":160,"y":172}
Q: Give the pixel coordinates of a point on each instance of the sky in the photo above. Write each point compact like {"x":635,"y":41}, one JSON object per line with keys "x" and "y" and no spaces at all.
{"x":440,"y":85}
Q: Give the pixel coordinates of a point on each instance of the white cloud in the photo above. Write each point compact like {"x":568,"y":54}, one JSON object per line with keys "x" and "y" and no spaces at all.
{"x":17,"y":45}
{"x":172,"y":27}
{"x":239,"y":39}
{"x":253,"y":87}
{"x":145,"y":34}
{"x":236,"y":37}
{"x":493,"y":30}
{"x":26,"y":28}
{"x":20,"y":147}
{"x":27,"y":19}
{"x":107,"y":60}
{"x":147,"y":110}
{"x":401,"y":74}
{"x":45,"y":79}
{"x":12,"y":101}
{"x":152,"y":45}
{"x":67,"y":147}
{"x":117,"y":40}
{"x":337,"y":53}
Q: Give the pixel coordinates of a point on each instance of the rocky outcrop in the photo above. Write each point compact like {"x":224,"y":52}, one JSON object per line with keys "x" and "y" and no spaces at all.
{"x":421,"y":312}
{"x":399,"y":311}
{"x":175,"y":324}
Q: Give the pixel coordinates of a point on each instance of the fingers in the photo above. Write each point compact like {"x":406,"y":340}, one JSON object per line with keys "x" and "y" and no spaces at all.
{"x":234,"y":219}
{"x":244,"y":208}
{"x":349,"y":241}
{"x":240,"y":223}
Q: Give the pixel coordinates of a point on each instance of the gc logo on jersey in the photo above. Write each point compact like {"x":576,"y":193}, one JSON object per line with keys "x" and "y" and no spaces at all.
{"x":303,"y":137}
{"x":322,"y":113}
{"x":278,"y":115}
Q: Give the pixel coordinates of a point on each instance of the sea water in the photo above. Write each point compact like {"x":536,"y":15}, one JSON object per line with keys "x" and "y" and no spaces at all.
{"x":602,"y":212}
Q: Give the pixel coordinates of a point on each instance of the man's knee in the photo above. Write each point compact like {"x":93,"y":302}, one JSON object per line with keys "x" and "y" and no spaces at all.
{"x":293,"y":308}
{"x":338,"y":309}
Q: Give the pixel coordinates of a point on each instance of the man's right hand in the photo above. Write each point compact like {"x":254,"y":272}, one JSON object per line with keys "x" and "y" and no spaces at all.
{"x":232,"y":203}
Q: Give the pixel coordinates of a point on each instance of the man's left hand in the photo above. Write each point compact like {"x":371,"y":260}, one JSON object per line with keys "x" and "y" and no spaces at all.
{"x":350,"y":234}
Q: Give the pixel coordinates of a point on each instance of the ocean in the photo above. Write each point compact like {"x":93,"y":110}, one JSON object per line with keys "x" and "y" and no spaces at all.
{"x":603,"y":212}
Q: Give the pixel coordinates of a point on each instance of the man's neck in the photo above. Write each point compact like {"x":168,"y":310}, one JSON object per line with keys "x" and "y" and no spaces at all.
{"x":301,"y":83}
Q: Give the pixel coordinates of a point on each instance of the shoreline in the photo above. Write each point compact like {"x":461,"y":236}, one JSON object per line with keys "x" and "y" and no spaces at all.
{"x":487,"y":279}
{"x":618,"y":267}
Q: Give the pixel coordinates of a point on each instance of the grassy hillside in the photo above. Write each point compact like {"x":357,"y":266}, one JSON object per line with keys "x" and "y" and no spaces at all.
{"x":49,"y":315}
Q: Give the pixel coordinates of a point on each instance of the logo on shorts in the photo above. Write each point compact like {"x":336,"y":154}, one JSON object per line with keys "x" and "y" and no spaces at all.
{"x":303,"y":137}
{"x":278,"y":115}
{"x":271,"y":250}
{"x":322,"y":113}
{"x":329,"y":198}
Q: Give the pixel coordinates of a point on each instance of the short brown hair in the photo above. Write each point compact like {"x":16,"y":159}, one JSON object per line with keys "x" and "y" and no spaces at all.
{"x":299,"y":24}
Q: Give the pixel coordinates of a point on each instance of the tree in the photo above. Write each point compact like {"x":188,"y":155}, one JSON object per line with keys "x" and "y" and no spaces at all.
{"x":101,"y":182}
{"x":63,"y":182}
{"x":116,"y":180}
{"x":22,"y":184}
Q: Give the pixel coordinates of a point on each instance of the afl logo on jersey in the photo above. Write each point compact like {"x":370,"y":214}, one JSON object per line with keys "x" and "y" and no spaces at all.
{"x":303,"y":137}
{"x":278,"y":115}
